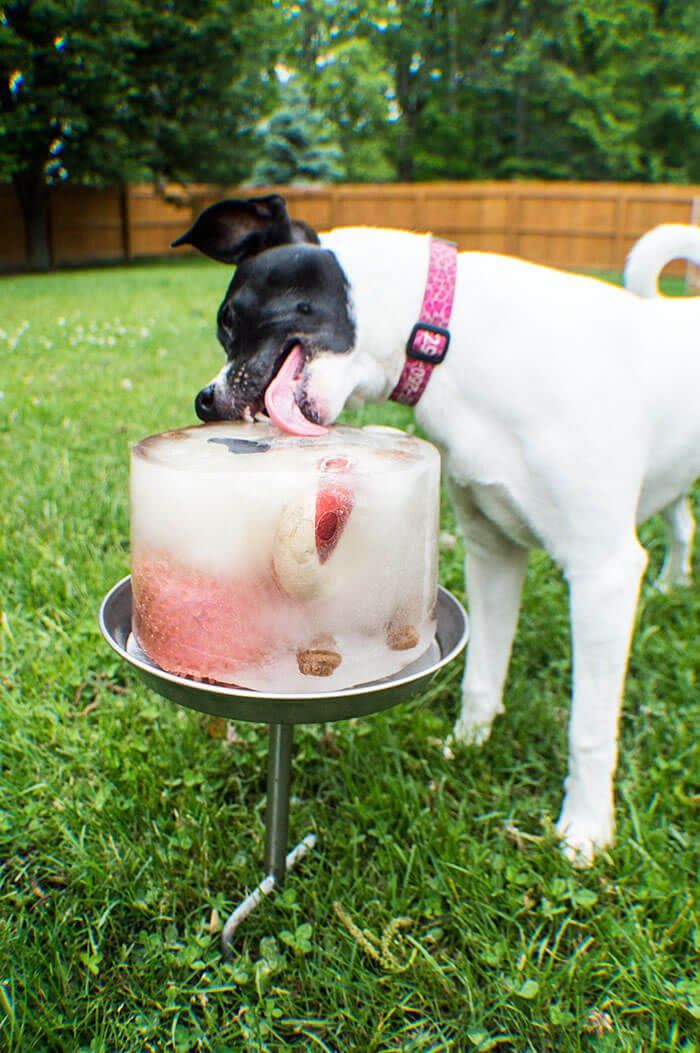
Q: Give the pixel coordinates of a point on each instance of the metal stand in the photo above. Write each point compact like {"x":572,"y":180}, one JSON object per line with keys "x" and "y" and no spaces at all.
{"x":281,"y":712}
{"x":277,"y":860}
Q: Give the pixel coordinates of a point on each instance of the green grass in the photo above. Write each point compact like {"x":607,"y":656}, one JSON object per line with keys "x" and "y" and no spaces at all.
{"x":126,"y":830}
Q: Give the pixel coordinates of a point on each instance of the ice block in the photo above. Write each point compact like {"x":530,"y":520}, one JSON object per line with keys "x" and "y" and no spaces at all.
{"x":282,"y":563}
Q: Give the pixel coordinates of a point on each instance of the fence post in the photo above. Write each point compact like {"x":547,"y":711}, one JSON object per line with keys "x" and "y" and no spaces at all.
{"x":514,"y":222}
{"x":333,"y":202}
{"x":125,"y":210}
{"x":691,"y":269}
{"x":620,"y":221}
{"x":418,"y":206}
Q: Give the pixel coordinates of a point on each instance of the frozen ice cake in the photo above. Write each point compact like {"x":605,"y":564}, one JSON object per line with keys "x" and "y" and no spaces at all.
{"x":280,"y":563}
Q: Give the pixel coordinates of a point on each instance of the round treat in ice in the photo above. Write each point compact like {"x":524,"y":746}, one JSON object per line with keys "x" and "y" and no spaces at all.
{"x":284,"y":563}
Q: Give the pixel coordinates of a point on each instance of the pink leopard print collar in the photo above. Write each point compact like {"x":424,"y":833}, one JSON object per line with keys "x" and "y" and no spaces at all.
{"x":430,"y":337}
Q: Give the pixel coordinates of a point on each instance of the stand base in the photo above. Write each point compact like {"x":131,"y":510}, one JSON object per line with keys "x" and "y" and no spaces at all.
{"x":277,"y":860}
{"x":266,"y":886}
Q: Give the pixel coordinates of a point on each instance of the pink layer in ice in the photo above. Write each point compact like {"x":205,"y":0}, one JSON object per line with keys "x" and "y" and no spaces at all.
{"x":207,"y":627}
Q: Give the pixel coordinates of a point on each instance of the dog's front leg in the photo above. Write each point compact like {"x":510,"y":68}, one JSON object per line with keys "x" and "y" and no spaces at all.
{"x":603,"y":603}
{"x":494,"y":572}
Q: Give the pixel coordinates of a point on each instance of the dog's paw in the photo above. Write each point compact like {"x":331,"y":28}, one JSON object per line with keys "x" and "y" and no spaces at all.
{"x":472,"y":731}
{"x":668,"y":582}
{"x":581,"y":838}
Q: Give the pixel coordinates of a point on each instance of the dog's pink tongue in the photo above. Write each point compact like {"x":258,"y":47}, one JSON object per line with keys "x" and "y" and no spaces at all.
{"x":280,"y":398}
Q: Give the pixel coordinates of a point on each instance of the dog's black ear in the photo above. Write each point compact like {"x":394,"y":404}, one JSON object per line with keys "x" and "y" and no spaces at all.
{"x":230,"y":231}
{"x":303,"y":232}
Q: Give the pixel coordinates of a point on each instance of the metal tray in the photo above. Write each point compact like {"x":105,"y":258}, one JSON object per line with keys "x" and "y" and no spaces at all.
{"x":236,"y":703}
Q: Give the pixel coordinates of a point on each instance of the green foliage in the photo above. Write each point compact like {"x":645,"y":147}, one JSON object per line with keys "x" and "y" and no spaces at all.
{"x":56,"y":83}
{"x":577,"y":89}
{"x":296,"y":144}
{"x":127,"y":832}
{"x":354,"y":88}
{"x":614,"y":69}
{"x":369,"y":90}
{"x":106,"y":90}
{"x":331,"y":125}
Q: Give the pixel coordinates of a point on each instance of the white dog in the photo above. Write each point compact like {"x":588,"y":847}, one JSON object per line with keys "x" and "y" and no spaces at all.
{"x":567,"y":411}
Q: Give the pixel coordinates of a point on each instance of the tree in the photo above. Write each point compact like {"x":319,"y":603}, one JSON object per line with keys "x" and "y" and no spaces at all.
{"x":101,"y":91}
{"x":355,"y":89}
{"x":297,"y":143}
{"x":334,"y":51}
{"x":107,"y":90}
{"x":610,"y":90}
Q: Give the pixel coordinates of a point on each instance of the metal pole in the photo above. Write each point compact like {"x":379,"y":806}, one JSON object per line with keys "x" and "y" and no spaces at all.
{"x":691,"y":270}
{"x":277,"y":860}
{"x":279,"y":763}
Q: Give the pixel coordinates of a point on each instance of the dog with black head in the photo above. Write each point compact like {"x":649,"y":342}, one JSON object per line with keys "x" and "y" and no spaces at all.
{"x":565,"y":408}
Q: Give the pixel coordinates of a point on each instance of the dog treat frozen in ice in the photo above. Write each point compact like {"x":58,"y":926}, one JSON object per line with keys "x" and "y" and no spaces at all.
{"x":280,"y":563}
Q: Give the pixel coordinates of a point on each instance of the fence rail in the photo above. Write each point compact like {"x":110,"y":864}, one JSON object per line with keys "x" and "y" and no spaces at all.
{"x":573,"y":225}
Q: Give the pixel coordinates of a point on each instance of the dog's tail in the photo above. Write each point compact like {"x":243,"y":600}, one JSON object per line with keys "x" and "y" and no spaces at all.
{"x":656,"y":248}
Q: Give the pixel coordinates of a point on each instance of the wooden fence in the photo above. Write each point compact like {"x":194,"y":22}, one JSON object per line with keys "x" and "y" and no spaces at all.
{"x":582,"y":226}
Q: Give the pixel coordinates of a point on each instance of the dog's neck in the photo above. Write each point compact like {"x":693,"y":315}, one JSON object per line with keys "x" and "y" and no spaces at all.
{"x":386,"y":293}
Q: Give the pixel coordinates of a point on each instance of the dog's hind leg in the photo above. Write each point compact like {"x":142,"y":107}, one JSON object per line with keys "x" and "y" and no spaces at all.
{"x":494,"y":571}
{"x":604,"y":597}
{"x":680,"y":525}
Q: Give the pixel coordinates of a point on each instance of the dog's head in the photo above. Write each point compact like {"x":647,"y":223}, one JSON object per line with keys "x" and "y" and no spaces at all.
{"x":286,"y":308}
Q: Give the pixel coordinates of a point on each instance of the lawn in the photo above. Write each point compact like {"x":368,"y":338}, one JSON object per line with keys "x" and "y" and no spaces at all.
{"x":437,"y":913}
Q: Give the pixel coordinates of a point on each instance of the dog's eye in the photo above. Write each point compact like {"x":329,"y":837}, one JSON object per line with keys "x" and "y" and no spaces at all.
{"x":304,"y":308}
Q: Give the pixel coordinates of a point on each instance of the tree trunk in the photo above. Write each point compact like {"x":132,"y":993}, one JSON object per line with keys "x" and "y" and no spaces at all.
{"x":521,"y":86}
{"x":405,"y":166}
{"x":452,"y":59}
{"x":407,"y":123}
{"x":33,"y":194}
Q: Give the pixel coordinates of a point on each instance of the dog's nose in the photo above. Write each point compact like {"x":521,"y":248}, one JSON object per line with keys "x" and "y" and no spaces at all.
{"x":204,"y":405}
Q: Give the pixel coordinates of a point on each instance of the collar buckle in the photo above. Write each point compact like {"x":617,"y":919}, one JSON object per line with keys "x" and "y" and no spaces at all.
{"x":430,"y":351}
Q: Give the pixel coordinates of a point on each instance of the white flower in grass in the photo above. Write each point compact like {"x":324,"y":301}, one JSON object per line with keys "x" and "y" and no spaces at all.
{"x":126,"y":384}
